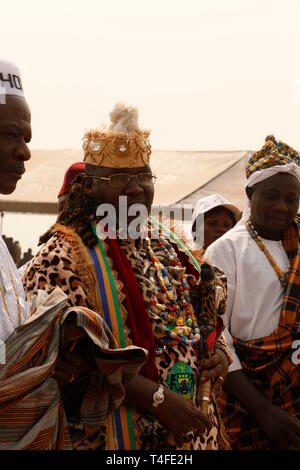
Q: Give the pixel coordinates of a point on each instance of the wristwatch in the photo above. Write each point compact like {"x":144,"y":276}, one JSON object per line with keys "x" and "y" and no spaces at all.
{"x":158,"y":396}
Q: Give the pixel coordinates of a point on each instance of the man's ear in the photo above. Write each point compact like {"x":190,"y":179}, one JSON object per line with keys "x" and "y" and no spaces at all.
{"x":249,"y":192}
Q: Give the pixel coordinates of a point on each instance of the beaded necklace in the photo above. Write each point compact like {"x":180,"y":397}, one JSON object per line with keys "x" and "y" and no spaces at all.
{"x":182,"y":325}
{"x":282,"y":275}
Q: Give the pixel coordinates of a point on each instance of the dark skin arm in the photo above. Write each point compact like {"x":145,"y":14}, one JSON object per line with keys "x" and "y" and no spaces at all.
{"x":280,"y":427}
{"x":175,"y":413}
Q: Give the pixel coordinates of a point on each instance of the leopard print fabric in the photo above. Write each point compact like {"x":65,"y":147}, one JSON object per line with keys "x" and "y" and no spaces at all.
{"x":56,"y":264}
{"x":151,"y":433}
{"x":63,"y":261}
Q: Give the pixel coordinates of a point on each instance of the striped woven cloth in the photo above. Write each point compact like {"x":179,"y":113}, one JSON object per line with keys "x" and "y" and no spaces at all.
{"x":31,"y":411}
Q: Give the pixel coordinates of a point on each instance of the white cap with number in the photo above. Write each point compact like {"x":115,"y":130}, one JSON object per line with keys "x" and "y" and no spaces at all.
{"x":10,"y":79}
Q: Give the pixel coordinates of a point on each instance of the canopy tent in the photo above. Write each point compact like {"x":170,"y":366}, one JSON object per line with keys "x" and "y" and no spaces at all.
{"x":183,"y":177}
{"x":230,"y":184}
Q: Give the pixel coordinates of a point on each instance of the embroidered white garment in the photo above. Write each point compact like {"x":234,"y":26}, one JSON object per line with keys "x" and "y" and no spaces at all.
{"x":9,"y":309}
{"x":255,"y":295}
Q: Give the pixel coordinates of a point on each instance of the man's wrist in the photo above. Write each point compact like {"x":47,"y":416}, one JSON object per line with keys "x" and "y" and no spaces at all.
{"x":225,"y":351}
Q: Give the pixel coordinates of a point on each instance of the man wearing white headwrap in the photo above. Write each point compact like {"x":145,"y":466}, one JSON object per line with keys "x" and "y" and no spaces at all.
{"x":260,"y":257}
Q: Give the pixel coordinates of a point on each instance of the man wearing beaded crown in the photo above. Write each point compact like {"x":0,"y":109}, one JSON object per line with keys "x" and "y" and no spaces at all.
{"x":35,"y":337}
{"x":140,"y":286}
{"x":261,"y":259}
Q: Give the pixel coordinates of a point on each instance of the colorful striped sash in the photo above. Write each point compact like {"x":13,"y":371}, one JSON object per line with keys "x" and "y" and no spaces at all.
{"x":122,"y":419}
{"x":122,"y":425}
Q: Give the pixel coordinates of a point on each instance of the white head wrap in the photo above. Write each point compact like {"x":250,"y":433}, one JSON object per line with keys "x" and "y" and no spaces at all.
{"x":264,"y":174}
{"x":10,"y":80}
{"x":207,"y":203}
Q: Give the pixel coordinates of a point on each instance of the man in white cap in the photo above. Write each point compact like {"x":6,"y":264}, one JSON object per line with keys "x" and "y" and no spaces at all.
{"x":35,"y":339}
{"x":213,"y":215}
{"x":261,"y":257}
{"x":15,"y":133}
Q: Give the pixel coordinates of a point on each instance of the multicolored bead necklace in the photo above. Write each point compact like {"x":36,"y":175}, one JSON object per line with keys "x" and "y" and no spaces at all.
{"x":282,"y":275}
{"x":178,"y":313}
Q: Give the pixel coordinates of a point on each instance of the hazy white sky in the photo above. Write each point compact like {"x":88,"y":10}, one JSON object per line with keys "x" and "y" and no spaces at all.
{"x":205,"y":74}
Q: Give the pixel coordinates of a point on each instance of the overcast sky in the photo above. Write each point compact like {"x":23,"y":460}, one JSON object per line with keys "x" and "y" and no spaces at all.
{"x":205,"y":74}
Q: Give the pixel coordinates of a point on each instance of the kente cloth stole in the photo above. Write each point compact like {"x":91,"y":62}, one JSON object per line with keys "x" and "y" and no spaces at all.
{"x":122,"y":418}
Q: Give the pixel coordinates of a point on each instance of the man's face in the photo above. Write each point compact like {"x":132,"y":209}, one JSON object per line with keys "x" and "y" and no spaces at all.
{"x":275,"y":202}
{"x":15,"y":133}
{"x":106,"y":194}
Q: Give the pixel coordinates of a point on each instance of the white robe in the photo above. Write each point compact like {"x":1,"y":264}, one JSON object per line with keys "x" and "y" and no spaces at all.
{"x":9,"y":322}
{"x":255,"y":295}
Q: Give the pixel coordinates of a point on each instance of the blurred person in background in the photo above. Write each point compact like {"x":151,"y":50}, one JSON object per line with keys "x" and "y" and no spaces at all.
{"x":218,"y":215}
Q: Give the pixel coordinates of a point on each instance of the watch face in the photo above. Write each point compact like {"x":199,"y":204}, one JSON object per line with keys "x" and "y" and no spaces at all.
{"x":158,"y":397}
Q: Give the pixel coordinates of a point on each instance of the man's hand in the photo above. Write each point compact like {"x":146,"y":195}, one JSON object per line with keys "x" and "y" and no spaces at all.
{"x":176,"y":414}
{"x":215,"y":368}
{"x":281,"y":427}
{"x":180,"y":417}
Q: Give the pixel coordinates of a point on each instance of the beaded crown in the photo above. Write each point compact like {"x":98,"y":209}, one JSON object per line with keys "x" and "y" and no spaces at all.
{"x":272,"y":153}
{"x":117,"y":149}
{"x":123,"y":145}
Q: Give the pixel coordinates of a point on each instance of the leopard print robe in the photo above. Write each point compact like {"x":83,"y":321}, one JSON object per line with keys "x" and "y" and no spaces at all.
{"x":64,"y":261}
